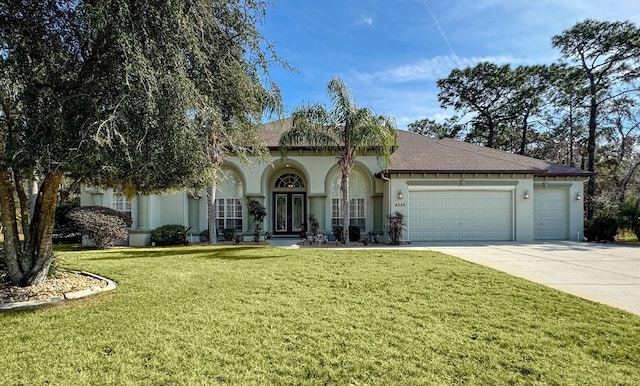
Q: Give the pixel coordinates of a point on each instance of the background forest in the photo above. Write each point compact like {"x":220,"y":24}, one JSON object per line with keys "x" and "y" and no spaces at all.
{"x":581,"y":111}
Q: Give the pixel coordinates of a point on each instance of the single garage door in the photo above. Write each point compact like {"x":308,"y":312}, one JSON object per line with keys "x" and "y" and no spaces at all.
{"x":460,"y":215}
{"x":550,"y":213}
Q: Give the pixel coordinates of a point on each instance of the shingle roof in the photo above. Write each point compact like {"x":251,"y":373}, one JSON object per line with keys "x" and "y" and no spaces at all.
{"x":419,"y":154}
{"x":272,"y":131}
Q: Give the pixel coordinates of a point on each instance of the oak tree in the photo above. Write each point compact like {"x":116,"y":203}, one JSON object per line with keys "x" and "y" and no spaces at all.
{"x":132,"y":94}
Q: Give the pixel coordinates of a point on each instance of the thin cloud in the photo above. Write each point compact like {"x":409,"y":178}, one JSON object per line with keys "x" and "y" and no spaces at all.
{"x":430,"y":69}
{"x":365,"y":20}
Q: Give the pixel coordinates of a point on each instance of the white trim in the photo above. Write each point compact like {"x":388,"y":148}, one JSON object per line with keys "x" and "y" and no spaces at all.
{"x":426,"y":188}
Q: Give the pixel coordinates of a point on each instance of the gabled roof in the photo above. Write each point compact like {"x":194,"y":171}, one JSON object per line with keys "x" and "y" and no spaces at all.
{"x":419,"y":154}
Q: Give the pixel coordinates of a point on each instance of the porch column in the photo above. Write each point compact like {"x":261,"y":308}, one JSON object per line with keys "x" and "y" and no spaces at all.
{"x":143,"y":212}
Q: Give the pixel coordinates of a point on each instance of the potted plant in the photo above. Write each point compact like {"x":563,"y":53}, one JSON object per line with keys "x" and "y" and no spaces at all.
{"x":314,"y":225}
{"x":396,"y":226}
{"x":257,"y":212}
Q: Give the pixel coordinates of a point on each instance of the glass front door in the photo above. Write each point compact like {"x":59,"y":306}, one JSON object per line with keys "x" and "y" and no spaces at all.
{"x":289,"y":212}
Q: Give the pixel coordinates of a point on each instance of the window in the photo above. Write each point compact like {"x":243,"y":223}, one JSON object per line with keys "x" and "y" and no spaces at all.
{"x":121,"y":203}
{"x":357,"y":201}
{"x":229,"y":208}
{"x":357,"y":213}
{"x":229,"y":213}
{"x":290,"y":181}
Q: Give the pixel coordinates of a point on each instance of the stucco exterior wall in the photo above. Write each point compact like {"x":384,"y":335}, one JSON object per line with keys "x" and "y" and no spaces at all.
{"x":521,"y":185}
{"x":383,"y":195}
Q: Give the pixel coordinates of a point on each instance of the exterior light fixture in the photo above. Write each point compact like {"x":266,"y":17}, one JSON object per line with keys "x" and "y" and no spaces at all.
{"x":578,"y":196}
{"x":400,"y":195}
{"x":526,"y":195}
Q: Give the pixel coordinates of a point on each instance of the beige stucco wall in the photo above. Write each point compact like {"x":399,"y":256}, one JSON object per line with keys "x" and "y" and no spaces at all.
{"x":575,"y":203}
{"x":317,"y":171}
{"x":523,"y":208}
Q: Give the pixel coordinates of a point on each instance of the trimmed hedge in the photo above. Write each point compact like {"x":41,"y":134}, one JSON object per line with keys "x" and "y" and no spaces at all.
{"x":105,"y":226}
{"x":170,"y":234}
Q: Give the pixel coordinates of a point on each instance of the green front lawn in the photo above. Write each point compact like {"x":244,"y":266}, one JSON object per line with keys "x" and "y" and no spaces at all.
{"x":242,"y":315}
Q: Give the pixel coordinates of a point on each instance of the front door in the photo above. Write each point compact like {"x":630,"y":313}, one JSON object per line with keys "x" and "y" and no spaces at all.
{"x":289,"y":212}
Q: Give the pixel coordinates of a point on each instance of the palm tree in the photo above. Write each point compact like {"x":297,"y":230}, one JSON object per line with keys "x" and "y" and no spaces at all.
{"x":346,"y":128}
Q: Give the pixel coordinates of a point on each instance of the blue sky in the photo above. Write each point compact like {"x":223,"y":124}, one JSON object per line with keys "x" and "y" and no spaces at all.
{"x":391,"y":52}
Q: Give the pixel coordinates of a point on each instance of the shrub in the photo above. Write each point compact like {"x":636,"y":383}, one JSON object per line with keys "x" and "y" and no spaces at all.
{"x":257,"y":212}
{"x":62,"y":210}
{"x":354,"y":233}
{"x":170,"y":234}
{"x":63,"y":230}
{"x":66,"y":236}
{"x":314,"y":225}
{"x":105,"y":226}
{"x":337,"y":233}
{"x":601,"y":229}
{"x":229,"y":234}
{"x":630,"y":215}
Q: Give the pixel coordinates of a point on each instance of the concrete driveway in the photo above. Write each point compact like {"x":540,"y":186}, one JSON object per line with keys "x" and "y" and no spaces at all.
{"x":605,"y":273}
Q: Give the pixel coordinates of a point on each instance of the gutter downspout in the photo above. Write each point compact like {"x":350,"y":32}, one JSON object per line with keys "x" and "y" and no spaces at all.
{"x":387,"y":179}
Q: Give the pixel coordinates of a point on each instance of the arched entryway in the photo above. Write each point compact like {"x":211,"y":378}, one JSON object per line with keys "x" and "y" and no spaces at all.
{"x":289,"y":203}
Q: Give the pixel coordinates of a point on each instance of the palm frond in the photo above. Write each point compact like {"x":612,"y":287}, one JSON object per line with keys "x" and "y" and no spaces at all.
{"x":342,"y":101}
{"x":312,"y":126}
{"x":348,"y":129}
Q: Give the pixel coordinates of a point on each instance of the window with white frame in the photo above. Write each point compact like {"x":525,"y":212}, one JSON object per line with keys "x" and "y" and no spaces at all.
{"x":357,"y":201}
{"x":121,"y":203}
{"x":229,"y":208}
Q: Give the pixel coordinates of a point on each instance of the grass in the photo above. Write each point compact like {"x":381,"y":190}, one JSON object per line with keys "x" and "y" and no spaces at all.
{"x":626,"y":236}
{"x":242,"y":315}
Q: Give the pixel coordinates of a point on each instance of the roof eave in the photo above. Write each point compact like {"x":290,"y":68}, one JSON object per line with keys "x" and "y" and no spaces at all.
{"x":537,"y":172}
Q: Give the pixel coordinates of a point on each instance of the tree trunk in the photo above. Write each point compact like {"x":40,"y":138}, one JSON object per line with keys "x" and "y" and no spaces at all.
{"x":211,"y":214}
{"x":25,"y":209}
{"x":491,"y":134}
{"x":28,"y":263}
{"x":344,"y":187}
{"x":591,"y":163}
{"x":523,"y":141}
{"x":39,"y":251}
{"x":12,"y":245}
{"x":571,"y":163}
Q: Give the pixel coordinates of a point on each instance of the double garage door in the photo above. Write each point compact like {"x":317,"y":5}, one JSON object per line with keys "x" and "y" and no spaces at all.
{"x":460,"y":215}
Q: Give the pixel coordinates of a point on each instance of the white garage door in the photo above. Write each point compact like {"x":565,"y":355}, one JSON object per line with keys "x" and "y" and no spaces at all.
{"x":460,"y":215}
{"x":550,"y":214}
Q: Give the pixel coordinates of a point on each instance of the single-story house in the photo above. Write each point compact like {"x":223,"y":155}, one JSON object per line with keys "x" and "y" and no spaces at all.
{"x":448,"y":190}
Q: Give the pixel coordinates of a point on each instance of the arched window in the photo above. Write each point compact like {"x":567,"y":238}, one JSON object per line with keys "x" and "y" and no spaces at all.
{"x":357,"y":201}
{"x":229,"y":206}
{"x":289,"y":181}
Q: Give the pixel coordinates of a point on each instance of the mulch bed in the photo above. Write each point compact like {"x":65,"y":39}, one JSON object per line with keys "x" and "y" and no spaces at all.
{"x":63,"y":282}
